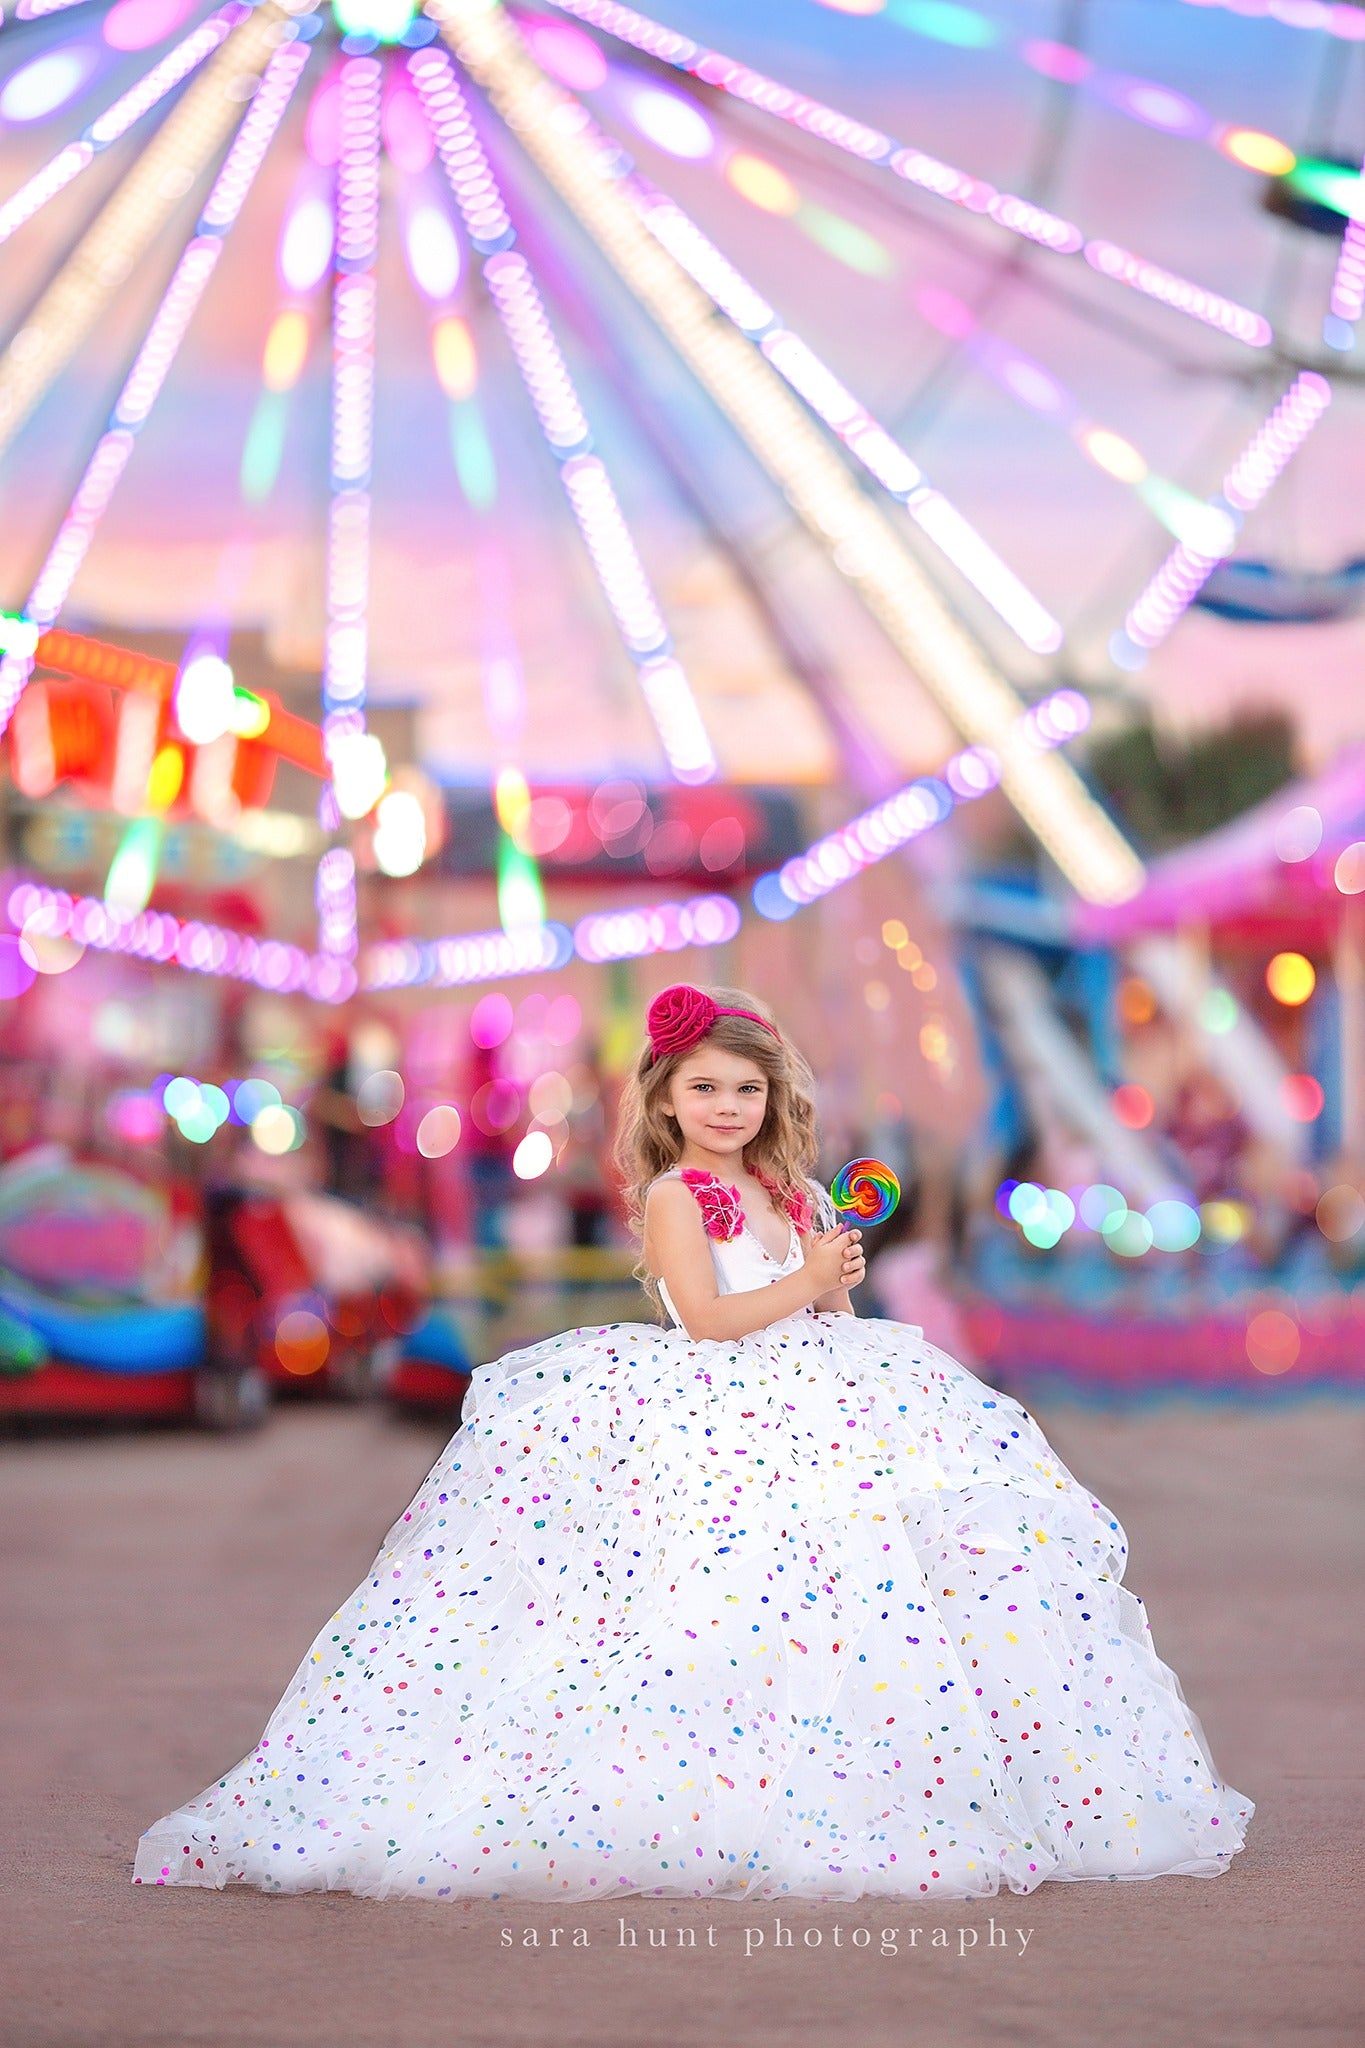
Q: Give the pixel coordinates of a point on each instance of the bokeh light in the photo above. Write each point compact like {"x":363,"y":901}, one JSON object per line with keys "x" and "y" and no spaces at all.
{"x":1137,"y":1001}
{"x":379,"y":1097}
{"x":47,"y":950}
{"x":277,"y":1129}
{"x":670,"y":121}
{"x":302,"y":1342}
{"x":550,"y":1097}
{"x":563,"y":1020}
{"x":1128,"y":1234}
{"x":533,"y":1155}
{"x":1341,"y":1213}
{"x":1225,"y":1222}
{"x":491,"y":1020}
{"x":495,"y":1107}
{"x":1099,"y":1204}
{"x":1175,"y":1225}
{"x":761,"y":183}
{"x":439,"y":1131}
{"x":1298,"y":834}
{"x":134,"y":1116}
{"x":38,"y":88}
{"x":1218,"y":1011}
{"x":17,"y":972}
{"x":1273,"y":1341}
{"x":249,"y":1098}
{"x":1302,"y":1097}
{"x":1133,"y":1106}
{"x":1349,"y":872}
{"x":1291,"y":979}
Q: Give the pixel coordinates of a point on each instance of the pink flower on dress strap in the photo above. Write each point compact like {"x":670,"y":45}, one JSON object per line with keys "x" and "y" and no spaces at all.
{"x":722,"y":1212}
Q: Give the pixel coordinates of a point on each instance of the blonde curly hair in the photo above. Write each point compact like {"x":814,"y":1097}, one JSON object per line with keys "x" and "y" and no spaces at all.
{"x":648,"y":1141}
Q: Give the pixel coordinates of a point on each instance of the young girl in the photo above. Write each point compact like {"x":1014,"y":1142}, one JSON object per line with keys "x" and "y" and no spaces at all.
{"x":771,"y":1603}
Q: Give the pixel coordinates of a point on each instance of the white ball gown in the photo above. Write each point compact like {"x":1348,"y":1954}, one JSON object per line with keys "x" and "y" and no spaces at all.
{"x":812,"y":1614}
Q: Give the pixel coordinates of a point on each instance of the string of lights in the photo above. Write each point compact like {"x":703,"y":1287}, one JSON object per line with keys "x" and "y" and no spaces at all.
{"x":516,"y":297}
{"x":857,"y":536}
{"x":1017,"y":216}
{"x":159,"y":938}
{"x":599,"y":937}
{"x":843,"y":854}
{"x":149,"y":371}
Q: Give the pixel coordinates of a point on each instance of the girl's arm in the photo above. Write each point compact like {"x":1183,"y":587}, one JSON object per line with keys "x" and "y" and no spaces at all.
{"x":837,"y":1300}
{"x":677,"y":1251}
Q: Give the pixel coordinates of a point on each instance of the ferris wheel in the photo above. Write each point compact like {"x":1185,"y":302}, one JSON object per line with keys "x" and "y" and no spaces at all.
{"x":424,"y":105}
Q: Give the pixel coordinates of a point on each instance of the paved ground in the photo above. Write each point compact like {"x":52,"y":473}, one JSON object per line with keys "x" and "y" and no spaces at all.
{"x":157,"y":1592}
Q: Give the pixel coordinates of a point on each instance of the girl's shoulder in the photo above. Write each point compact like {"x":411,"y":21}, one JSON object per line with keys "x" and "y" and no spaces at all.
{"x":719,"y":1207}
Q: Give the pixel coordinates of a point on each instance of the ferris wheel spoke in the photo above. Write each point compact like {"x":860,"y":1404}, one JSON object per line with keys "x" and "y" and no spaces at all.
{"x":130,"y":221}
{"x":1017,"y":216}
{"x":829,"y":399}
{"x":855,"y":534}
{"x":116,"y":120}
{"x":355,"y":757}
{"x":1186,"y":569}
{"x":280,"y":74}
{"x":38,"y":10}
{"x":516,"y":298}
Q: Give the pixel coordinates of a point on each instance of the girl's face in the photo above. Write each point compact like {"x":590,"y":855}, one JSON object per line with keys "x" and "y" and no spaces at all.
{"x":719,"y":1099}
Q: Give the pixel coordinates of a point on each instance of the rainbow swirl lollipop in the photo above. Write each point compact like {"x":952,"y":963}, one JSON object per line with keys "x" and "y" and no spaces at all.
{"x":867,"y":1189}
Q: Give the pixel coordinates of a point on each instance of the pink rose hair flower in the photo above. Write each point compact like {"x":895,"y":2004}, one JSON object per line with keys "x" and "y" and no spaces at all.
{"x":680,"y":1017}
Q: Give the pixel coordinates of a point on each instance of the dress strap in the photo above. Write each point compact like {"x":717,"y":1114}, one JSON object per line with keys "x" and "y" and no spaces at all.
{"x":722,"y":1211}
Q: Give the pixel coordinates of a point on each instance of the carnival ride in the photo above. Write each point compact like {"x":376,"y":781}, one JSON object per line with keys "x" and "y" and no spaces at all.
{"x":492,"y":141}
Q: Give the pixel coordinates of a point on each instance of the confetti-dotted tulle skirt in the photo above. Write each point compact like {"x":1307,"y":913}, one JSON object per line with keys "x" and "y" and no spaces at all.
{"x":817,"y":1614}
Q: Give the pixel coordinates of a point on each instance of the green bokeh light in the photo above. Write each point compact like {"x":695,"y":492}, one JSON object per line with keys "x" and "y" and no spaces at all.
{"x":385,"y":20}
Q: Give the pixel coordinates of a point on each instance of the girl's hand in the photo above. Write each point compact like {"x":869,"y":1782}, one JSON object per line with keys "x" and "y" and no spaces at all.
{"x":827,"y":1253}
{"x":855,"y":1265}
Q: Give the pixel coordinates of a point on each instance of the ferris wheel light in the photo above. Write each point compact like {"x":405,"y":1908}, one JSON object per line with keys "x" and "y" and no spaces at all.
{"x":306,"y":244}
{"x":452,"y":350}
{"x":1185,"y":571}
{"x":204,"y":699}
{"x":400,"y":839}
{"x":360,"y":772}
{"x":386,"y":20}
{"x":286,"y":350}
{"x":137,"y":24}
{"x":39,"y":88}
{"x":567,"y":54}
{"x":433,"y":253}
{"x":672,"y":123}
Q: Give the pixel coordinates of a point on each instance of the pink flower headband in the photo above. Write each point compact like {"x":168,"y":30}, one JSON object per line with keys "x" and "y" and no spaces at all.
{"x":680,"y":1017}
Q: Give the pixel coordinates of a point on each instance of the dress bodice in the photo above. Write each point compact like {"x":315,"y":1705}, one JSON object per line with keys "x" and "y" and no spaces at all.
{"x":740,"y":1262}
